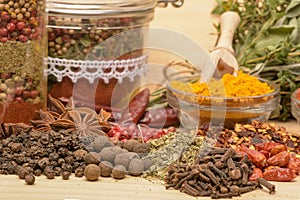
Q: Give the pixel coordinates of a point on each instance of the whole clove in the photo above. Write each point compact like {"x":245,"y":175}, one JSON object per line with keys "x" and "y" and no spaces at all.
{"x":222,"y":196}
{"x":221,"y":173}
{"x":247,"y":189}
{"x":229,"y":153}
{"x":245,"y":174}
{"x":267,"y":184}
{"x":217,"y":170}
{"x":189,"y":189}
{"x":211,"y":175}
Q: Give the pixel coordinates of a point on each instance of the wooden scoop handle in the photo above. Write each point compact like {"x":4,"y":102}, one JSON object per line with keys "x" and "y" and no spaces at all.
{"x":229,"y":21}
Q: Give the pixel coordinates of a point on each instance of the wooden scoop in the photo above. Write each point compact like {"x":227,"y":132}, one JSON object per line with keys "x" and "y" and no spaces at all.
{"x":223,"y":54}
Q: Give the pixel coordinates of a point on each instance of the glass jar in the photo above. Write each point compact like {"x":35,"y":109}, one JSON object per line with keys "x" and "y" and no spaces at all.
{"x":93,"y":45}
{"x":95,"y":48}
{"x":23,"y":85}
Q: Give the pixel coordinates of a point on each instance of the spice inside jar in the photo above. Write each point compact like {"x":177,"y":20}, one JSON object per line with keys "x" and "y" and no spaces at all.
{"x":95,"y":47}
{"x":22,"y":51}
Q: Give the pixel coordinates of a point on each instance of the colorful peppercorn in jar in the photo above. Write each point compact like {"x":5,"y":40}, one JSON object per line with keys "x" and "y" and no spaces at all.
{"x":94,"y":45}
{"x":23,"y":85}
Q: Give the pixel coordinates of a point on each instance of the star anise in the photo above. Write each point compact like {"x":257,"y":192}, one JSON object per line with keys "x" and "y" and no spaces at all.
{"x":7,"y":129}
{"x":43,"y":124}
{"x":86,"y":122}
{"x":103,"y":118}
{"x":57,"y":117}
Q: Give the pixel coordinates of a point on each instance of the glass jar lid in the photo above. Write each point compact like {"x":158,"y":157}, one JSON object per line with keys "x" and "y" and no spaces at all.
{"x":97,"y":7}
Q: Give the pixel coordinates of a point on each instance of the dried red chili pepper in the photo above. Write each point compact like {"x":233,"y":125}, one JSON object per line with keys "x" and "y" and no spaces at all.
{"x":161,"y":117}
{"x":277,"y":149}
{"x":258,"y":158}
{"x":272,"y":147}
{"x":266,"y":153}
{"x":279,"y":174}
{"x":256,"y":173}
{"x":136,"y":108}
{"x":294,"y":163}
{"x":266,"y":146}
{"x":281,"y":159}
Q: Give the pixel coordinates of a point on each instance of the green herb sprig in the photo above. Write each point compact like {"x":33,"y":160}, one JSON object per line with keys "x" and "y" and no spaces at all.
{"x":267,"y":43}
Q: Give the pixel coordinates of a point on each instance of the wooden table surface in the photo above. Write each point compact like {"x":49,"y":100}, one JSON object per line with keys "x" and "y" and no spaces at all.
{"x":195,"y":21}
{"x":130,"y":188}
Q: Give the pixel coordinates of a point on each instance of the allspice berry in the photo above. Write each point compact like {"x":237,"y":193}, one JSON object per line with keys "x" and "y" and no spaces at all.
{"x":92,"y":158}
{"x":129,"y":144}
{"x":30,"y":179}
{"x":147,"y":163}
{"x":136,"y":167}
{"x":109,"y":153}
{"x":101,"y":142}
{"x":125,"y":158}
{"x":141,"y":148}
{"x":92,"y":172}
{"x":118,"y":172}
{"x":106,"y":168}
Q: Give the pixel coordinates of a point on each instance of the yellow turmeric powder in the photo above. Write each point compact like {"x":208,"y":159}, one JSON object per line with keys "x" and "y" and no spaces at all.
{"x":242,"y":85}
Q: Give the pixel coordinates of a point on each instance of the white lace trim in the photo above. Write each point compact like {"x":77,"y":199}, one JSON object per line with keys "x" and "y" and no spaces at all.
{"x":92,"y":70}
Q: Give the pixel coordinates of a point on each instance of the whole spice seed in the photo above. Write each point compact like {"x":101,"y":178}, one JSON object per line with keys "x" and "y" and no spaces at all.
{"x":30,"y":179}
{"x":266,"y":184}
{"x":92,"y":172}
{"x":65,"y":175}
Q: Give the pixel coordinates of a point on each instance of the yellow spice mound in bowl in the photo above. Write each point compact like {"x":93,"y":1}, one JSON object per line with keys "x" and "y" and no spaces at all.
{"x":242,"y":85}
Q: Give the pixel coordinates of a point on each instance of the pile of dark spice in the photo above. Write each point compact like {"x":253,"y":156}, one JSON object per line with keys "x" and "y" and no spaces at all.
{"x":40,"y":153}
{"x":26,"y":151}
{"x":218,"y":173}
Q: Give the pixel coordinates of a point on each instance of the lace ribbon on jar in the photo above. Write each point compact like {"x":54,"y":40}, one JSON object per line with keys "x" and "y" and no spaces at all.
{"x":92,"y":70}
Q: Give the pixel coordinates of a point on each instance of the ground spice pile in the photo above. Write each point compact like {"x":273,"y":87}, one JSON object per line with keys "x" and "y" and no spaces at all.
{"x":242,"y":85}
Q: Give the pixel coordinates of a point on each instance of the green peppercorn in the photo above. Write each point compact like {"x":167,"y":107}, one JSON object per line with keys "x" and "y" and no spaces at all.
{"x":16,"y":5}
{"x":20,"y":16}
{"x":27,"y":14}
{"x":17,"y":10}
{"x":10,"y":3}
{"x":1,"y":6}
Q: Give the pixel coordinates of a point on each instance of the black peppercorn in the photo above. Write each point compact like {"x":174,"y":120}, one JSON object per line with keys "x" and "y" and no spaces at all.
{"x":49,"y":172}
{"x":42,"y":163}
{"x":57,"y":171}
{"x":38,"y":172}
{"x":16,"y":147}
{"x":79,"y":172}
{"x":23,"y":172}
{"x":65,"y":175}
{"x":30,"y":179}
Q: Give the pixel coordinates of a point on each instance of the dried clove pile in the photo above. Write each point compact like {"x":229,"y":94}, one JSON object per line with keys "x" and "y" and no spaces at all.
{"x":218,"y":173}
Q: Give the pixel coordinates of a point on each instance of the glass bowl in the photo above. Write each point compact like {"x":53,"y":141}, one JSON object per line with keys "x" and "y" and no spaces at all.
{"x":195,"y":110}
{"x":295,"y":101}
